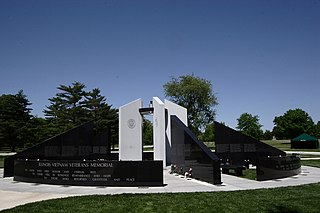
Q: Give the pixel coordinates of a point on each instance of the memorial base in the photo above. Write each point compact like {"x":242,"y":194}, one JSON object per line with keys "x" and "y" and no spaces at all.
{"x":90,"y":173}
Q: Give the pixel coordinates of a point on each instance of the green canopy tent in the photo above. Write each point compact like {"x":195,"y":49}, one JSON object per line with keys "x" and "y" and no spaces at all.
{"x":305,"y":141}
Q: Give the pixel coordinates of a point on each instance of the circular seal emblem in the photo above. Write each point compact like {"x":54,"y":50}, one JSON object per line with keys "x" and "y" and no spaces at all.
{"x":131,"y":123}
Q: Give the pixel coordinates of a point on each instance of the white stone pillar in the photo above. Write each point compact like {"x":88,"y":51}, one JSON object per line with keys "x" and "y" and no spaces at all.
{"x":181,"y":113}
{"x":130,"y":131}
{"x":159,"y":142}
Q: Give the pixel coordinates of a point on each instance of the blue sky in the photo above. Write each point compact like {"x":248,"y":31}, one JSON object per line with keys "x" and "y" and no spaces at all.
{"x":262,"y":57}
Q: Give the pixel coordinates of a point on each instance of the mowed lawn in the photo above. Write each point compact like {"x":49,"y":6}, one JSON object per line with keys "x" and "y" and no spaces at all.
{"x":2,"y":161}
{"x":304,"y":198}
{"x":285,"y":145}
{"x":290,"y":199}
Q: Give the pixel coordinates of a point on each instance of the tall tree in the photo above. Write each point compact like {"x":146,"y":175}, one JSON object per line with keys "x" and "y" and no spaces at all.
{"x":14,"y":118}
{"x":102,"y":113}
{"x":208,"y":134}
{"x":267,"y":135}
{"x":196,"y":95}
{"x":73,"y":106}
{"x":317,"y":129}
{"x":292,"y":124}
{"x":147,"y":132}
{"x":67,"y":107}
{"x":249,"y":125}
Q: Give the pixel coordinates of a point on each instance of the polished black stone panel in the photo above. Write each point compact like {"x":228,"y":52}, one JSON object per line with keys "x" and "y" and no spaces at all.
{"x":275,"y":167}
{"x":90,"y":172}
{"x":188,"y":152}
{"x":235,"y":148}
{"x":237,"y":151}
{"x":76,"y":144}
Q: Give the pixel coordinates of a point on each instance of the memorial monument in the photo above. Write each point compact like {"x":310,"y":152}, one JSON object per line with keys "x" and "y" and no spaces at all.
{"x":81,"y":157}
{"x":174,"y":143}
{"x":237,"y":151}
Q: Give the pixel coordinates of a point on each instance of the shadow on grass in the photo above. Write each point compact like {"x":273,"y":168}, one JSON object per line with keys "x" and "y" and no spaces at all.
{"x":283,"y":209}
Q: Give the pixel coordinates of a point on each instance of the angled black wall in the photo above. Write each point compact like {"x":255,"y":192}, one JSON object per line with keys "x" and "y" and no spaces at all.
{"x":76,"y":144}
{"x":236,"y":148}
{"x":187,"y":151}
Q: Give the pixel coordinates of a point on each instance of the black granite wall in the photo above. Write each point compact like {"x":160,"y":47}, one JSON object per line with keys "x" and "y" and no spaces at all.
{"x":188,"y":152}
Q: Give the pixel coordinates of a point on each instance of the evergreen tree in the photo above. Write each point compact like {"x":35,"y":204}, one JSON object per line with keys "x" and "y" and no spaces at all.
{"x":73,"y":106}
{"x":102,"y":113}
{"x":67,"y":108}
{"x":14,"y":119}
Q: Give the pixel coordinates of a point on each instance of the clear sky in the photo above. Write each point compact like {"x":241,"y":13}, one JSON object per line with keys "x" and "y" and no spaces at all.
{"x":262,"y":57}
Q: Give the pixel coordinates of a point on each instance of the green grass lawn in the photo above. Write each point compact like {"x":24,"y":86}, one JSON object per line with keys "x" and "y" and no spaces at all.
{"x":290,"y":199}
{"x":280,"y":144}
{"x":2,"y":161}
{"x":314,"y":163}
{"x":285,"y":145}
{"x":251,"y":173}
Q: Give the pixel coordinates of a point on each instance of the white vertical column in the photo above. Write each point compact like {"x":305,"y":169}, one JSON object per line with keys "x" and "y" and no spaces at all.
{"x":159,"y":142}
{"x":181,"y":113}
{"x":130,"y":131}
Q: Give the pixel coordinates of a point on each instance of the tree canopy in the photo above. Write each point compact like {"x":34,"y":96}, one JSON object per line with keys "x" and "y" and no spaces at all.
{"x":249,"y":125}
{"x":317,"y":128}
{"x":147,"y":132}
{"x":73,"y":105}
{"x":68,"y":107}
{"x":208,"y":134}
{"x":292,"y":124}
{"x":196,"y":95}
{"x":14,"y":118}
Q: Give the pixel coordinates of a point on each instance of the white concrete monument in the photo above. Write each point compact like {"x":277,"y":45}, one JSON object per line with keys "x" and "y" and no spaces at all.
{"x":130,"y":129}
{"x":159,"y":125}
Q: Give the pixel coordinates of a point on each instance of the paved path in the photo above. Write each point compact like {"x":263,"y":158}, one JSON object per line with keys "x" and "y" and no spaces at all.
{"x":7,"y":153}
{"x":14,"y":193}
{"x":316,"y":158}
{"x":303,"y":153}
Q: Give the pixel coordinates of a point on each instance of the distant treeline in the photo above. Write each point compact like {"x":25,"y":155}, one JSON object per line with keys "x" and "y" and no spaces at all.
{"x":73,"y":105}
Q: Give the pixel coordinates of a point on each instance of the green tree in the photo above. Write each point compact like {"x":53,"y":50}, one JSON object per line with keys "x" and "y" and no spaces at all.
{"x":249,"y":125}
{"x":101,"y":113}
{"x":208,"y":134}
{"x":317,"y":129}
{"x":267,"y":135}
{"x":196,"y":95}
{"x":68,"y":106}
{"x":292,"y":124}
{"x":38,"y":130}
{"x":147,"y":132}
{"x":14,"y":119}
{"x":73,"y":106}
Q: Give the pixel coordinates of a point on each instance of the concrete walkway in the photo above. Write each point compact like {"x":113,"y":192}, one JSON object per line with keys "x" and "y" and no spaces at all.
{"x":303,"y":153}
{"x":14,"y":193}
{"x":7,"y":153}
